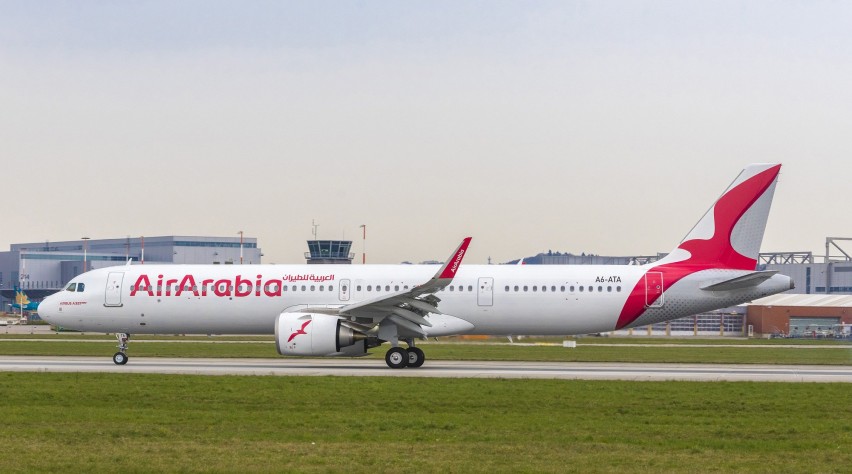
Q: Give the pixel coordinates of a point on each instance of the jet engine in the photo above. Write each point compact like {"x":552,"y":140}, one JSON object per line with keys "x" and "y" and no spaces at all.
{"x":308,"y":334}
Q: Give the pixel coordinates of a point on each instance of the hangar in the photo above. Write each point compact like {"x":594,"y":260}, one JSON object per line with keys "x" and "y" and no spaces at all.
{"x":803,"y":316}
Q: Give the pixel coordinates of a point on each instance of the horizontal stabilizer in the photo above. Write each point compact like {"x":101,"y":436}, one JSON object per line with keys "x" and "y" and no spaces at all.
{"x":746,"y":281}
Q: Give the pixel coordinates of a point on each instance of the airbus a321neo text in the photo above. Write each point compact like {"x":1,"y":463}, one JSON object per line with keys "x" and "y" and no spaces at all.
{"x":345,"y":310}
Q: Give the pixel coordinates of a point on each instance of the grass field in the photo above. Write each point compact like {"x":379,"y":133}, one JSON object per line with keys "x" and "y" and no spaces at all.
{"x":108,"y":422}
{"x":639,"y":350}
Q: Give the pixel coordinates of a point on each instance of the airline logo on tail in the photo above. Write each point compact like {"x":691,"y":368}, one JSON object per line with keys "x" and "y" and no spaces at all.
{"x":732,"y":227}
{"x":22,"y":301}
{"x":21,"y":298}
{"x":718,"y":251}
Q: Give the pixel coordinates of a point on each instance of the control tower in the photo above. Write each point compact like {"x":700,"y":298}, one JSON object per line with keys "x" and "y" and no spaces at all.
{"x":329,"y":251}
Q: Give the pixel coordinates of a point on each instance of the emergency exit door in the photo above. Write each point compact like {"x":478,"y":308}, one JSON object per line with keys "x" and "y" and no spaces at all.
{"x":344,"y":290}
{"x":654,"y":291}
{"x":113,"y":289}
{"x":485,"y":291}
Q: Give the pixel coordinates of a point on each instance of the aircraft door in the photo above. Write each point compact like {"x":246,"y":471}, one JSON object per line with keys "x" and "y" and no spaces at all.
{"x":345,"y":289}
{"x":113,"y":289}
{"x":654,"y":296}
{"x":485,"y":291}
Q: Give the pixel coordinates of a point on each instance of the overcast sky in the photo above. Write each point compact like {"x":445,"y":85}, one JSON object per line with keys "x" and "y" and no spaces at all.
{"x":602,"y":127}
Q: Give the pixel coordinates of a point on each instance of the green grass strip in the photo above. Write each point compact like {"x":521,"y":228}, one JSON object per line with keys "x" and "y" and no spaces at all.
{"x":143,"y":423}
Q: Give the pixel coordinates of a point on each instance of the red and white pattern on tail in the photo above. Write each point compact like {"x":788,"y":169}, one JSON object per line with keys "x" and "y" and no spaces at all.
{"x":727,"y":237}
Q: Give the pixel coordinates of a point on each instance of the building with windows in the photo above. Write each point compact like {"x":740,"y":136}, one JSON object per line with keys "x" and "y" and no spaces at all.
{"x":833,"y":277}
{"x":802,"y":316}
{"x":329,"y":251}
{"x":44,"y":267}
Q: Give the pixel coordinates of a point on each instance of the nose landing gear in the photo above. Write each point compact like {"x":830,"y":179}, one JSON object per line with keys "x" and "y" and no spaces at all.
{"x":120,"y":357}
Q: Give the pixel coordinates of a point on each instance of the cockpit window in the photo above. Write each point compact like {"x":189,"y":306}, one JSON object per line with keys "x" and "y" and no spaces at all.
{"x":81,"y":287}
{"x":71,"y":287}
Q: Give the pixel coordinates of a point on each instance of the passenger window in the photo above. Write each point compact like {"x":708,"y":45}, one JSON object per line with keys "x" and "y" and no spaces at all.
{"x":617,"y":288}
{"x":525,"y":288}
{"x":543,"y":288}
{"x":609,"y":289}
{"x":451,"y":288}
{"x":600,"y":288}
{"x":516,"y":287}
{"x":303,"y":288}
{"x":507,"y":288}
{"x":358,"y":288}
{"x":71,"y":287}
{"x":572,"y":288}
{"x":81,"y":287}
{"x":313,"y":288}
{"x":581,"y":288}
{"x":396,"y":288}
{"x":331,"y":288}
{"x":553,"y":288}
{"x":369,"y":287}
{"x":387,"y":287}
{"x":344,"y":288}
{"x":535,"y":288}
{"x":469,"y":287}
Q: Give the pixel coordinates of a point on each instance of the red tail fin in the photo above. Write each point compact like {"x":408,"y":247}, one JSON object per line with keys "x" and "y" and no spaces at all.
{"x":729,"y":234}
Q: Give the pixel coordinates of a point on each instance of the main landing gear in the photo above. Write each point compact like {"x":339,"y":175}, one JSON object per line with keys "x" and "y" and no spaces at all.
{"x":120,"y":357}
{"x":399,"y":358}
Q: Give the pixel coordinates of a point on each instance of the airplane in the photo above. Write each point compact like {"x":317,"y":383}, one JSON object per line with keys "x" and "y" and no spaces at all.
{"x":22,"y":302}
{"x":345,"y":310}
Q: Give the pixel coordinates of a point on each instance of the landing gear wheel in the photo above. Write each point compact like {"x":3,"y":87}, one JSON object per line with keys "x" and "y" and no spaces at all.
{"x":120,"y":358}
{"x":416,"y":357}
{"x":396,"y":358}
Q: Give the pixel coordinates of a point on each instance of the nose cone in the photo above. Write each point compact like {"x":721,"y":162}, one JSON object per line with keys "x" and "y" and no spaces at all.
{"x":48,"y":309}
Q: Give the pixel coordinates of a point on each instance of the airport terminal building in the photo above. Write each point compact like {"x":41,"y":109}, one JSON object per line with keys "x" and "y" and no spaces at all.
{"x":42,"y":268}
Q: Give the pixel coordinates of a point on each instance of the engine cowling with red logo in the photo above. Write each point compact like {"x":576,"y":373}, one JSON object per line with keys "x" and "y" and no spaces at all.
{"x":310,"y":334}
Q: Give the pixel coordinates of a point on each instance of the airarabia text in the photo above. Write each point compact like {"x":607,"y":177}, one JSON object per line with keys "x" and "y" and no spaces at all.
{"x":236,"y":286}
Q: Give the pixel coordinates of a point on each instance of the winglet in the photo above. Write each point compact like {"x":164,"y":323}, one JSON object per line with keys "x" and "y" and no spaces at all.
{"x":448,"y":271}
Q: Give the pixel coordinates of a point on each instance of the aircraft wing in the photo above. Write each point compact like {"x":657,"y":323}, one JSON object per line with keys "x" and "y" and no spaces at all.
{"x":407,"y":308}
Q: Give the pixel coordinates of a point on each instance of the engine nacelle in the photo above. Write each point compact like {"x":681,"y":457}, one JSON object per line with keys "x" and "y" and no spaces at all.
{"x":307,"y":334}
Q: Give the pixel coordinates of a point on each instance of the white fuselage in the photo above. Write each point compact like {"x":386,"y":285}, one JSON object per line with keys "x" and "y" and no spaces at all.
{"x":494,"y":299}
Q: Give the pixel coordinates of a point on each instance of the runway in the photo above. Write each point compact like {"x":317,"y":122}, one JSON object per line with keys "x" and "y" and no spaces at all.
{"x":459,"y":369}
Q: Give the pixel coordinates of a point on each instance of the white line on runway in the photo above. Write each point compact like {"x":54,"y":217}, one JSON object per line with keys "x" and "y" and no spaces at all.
{"x":461,"y":369}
